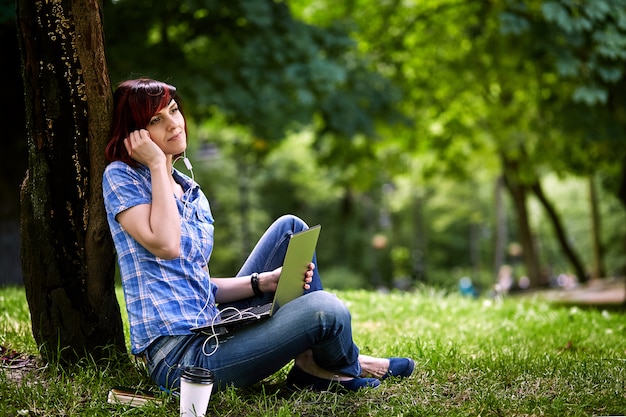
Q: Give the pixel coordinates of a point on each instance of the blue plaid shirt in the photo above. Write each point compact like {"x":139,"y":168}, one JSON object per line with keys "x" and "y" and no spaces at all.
{"x":163,"y":297}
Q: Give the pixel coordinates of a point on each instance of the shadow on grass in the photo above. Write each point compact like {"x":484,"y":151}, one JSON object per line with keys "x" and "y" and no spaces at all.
{"x":610,"y":307}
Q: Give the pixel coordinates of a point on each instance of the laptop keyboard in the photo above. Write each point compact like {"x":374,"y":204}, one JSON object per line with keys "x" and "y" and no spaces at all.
{"x":258,"y":310}
{"x":230,"y":314}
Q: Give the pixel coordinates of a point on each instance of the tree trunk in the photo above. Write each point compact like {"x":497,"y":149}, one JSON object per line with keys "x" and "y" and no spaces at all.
{"x":621,"y":194}
{"x":598,"y":270}
{"x":67,"y":253}
{"x":420,"y":237}
{"x":567,"y":249}
{"x":499,"y":249}
{"x":519,"y":192}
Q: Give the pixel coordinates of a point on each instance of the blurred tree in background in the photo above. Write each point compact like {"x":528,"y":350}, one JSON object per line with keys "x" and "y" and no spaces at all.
{"x":516,"y":90}
{"x":12,"y":169}
{"x":432,"y":139}
{"x":251,"y":65}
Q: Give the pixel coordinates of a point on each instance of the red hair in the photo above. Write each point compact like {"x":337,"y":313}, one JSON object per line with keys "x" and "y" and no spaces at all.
{"x":134,"y":104}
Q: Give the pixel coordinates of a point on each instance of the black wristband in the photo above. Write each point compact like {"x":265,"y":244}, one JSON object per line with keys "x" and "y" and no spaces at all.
{"x":254,"y":281}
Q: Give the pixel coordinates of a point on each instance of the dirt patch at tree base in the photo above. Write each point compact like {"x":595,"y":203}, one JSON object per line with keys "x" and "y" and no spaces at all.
{"x":15,"y":365}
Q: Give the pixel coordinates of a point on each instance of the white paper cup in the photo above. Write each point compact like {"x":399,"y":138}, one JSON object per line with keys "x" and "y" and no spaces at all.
{"x":195,"y":391}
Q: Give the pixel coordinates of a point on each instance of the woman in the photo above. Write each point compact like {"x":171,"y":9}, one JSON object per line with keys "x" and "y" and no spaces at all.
{"x":162,"y":228}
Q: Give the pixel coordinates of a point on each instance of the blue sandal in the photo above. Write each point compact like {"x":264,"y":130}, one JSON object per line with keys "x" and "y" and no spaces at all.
{"x":399,"y":368}
{"x":298,"y":379}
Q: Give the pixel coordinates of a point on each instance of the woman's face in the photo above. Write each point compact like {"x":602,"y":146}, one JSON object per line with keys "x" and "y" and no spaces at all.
{"x":167,"y":129}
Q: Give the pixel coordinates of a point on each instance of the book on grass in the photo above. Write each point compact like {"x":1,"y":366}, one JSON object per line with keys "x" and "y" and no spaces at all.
{"x":132,"y":396}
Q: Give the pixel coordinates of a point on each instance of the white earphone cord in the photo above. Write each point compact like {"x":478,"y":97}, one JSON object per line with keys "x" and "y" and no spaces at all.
{"x":238,"y":314}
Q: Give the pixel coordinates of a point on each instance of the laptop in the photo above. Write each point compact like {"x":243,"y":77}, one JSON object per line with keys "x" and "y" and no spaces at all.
{"x":299,"y":254}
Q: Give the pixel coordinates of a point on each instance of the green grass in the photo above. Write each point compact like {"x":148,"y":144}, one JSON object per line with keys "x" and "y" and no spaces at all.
{"x":516,"y":357}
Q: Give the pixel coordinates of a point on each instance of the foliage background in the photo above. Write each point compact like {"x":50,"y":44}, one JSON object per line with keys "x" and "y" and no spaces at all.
{"x":394,"y":116}
{"x":386,"y":122}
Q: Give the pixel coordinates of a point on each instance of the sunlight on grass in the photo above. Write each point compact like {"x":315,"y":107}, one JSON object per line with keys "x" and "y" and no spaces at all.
{"x":119,"y":292}
{"x":485,"y":357}
{"x":15,"y":330}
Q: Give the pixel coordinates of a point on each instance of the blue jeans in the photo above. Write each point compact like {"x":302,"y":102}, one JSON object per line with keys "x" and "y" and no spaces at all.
{"x":317,"y":320}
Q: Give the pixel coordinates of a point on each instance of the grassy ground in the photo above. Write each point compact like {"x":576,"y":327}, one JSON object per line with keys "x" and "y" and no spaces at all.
{"x":475,"y":357}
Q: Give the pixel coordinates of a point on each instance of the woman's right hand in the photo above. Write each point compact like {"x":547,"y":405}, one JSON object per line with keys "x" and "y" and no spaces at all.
{"x":142,"y":149}
{"x":155,"y":225}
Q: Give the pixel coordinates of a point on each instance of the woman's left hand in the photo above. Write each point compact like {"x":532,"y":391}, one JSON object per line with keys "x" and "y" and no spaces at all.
{"x":308,"y":276}
{"x":268,"y":281}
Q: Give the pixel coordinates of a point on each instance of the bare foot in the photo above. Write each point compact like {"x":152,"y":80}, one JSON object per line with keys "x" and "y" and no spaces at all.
{"x":371,"y":366}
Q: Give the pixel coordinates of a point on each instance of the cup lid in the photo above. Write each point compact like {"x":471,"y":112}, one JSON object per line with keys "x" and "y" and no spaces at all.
{"x":198,"y":375}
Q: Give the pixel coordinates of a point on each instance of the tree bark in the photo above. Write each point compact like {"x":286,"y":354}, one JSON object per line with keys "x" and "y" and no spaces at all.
{"x":67,"y":254}
{"x":499,"y":257}
{"x":519,"y":191}
{"x":621,"y":194}
{"x":598,"y":270}
{"x":568,"y":250}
